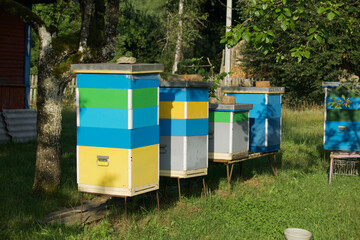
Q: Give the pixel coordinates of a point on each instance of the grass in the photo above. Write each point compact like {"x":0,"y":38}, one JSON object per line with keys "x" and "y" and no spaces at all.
{"x":259,"y":206}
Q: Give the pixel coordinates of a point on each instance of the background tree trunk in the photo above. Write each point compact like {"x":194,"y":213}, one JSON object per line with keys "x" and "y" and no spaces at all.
{"x":179,"y":41}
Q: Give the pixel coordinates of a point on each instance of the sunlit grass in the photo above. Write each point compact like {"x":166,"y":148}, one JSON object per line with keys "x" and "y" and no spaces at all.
{"x":259,"y":206}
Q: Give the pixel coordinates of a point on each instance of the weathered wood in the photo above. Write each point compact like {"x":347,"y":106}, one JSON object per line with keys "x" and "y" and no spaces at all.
{"x":91,"y":211}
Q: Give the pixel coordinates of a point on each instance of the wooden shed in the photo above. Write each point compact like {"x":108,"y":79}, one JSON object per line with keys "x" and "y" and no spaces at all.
{"x":15,"y":49}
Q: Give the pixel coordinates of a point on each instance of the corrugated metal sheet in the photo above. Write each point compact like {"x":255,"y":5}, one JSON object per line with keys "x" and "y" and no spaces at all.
{"x":4,"y":137}
{"x":20,"y":124}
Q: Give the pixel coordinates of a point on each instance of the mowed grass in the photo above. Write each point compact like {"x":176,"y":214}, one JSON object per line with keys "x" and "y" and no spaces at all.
{"x":258,"y":206}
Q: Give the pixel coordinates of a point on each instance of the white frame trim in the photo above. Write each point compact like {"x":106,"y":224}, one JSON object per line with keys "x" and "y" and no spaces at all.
{"x":231,"y":132}
{"x":130,"y":109}
{"x":266,"y":131}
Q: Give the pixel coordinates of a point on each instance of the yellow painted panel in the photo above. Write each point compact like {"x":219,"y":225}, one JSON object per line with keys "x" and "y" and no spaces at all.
{"x":145,"y":165}
{"x":172,"y":110}
{"x":197,"y":110}
{"x":111,"y":173}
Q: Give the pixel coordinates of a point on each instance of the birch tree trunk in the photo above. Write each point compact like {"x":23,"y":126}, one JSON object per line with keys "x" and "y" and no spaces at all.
{"x":179,"y":41}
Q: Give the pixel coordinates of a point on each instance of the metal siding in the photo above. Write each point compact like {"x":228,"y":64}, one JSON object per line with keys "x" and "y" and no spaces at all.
{"x":4,"y":137}
{"x":21,"y":124}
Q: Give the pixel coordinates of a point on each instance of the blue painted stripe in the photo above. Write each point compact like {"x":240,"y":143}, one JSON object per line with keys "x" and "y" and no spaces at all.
{"x":257,"y":134}
{"x":274,"y":131}
{"x":354,"y":105}
{"x":184,"y":94}
{"x":347,"y":139}
{"x":184,"y":127}
{"x":117,"y":81}
{"x":117,"y":138}
{"x":274,"y":99}
{"x":104,"y":118}
{"x":260,"y":110}
{"x":145,"y":117}
{"x":258,"y":99}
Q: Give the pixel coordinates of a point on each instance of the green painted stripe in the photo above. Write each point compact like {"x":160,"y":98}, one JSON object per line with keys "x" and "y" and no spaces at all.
{"x":215,"y":116}
{"x":145,"y":97}
{"x":338,"y":93}
{"x":343,"y":115}
{"x":241,"y":116}
{"x":103,"y":98}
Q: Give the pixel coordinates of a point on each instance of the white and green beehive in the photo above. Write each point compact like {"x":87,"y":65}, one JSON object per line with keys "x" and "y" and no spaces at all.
{"x":229,"y":130}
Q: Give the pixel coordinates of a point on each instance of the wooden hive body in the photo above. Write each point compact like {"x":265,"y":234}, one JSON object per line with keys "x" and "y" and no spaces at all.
{"x":117,"y":129}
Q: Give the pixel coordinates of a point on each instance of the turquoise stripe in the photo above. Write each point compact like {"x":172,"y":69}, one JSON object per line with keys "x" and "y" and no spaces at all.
{"x":104,"y":118}
{"x":144,"y":117}
{"x":117,"y":138}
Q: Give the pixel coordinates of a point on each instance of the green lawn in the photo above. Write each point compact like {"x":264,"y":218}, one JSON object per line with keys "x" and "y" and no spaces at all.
{"x":259,"y":206}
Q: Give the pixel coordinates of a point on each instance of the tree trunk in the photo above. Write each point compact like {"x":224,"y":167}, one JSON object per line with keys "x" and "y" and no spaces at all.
{"x":178,"y":49}
{"x":48,"y":153}
{"x":49,"y":106}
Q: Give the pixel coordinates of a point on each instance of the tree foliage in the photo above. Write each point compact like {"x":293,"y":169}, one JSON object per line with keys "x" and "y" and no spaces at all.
{"x":299,"y":44}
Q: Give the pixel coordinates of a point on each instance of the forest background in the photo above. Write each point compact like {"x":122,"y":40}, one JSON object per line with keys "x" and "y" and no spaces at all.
{"x":148,"y":30}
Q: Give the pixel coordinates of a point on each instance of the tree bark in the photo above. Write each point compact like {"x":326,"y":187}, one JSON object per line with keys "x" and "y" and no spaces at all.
{"x":52,"y":78}
{"x":179,"y":41}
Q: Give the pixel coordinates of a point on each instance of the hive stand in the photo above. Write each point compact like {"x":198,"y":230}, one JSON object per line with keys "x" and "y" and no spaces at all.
{"x":125,"y":207}
{"x":230,"y":163}
{"x":341,"y":155}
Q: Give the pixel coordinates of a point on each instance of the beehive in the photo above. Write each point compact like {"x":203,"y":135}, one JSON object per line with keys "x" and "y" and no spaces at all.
{"x":264,"y":118}
{"x":229,"y":131}
{"x":342,"y":124}
{"x":183,"y":128}
{"x":117,"y":128}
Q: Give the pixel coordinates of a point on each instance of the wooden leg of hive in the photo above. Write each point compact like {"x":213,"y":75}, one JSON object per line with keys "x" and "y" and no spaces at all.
{"x":204,"y":188}
{"x":241,"y":165}
{"x":179,"y":190}
{"x":274,"y":169}
{"x":158,"y":204}
{"x":125,"y":207}
{"x":81,"y":208}
{"x":331,"y":168}
{"x":231,"y":171}
{"x":228,"y":176}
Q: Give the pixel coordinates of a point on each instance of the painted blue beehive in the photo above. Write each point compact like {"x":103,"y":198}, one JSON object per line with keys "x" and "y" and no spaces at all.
{"x":117,"y":128}
{"x":184,"y":128}
{"x":264,"y":118}
{"x":342,"y":124}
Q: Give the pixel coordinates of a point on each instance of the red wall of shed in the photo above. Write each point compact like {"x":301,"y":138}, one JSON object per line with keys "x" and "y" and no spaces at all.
{"x":12,"y":40}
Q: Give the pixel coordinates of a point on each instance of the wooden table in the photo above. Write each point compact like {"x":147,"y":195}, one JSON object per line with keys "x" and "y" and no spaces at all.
{"x":231,"y":162}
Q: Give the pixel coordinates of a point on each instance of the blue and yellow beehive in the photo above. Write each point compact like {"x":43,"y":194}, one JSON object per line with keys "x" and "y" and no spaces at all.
{"x":264,"y":118}
{"x":342,"y":123}
{"x":229,"y":131}
{"x":117,"y":128}
{"x":183,"y":128}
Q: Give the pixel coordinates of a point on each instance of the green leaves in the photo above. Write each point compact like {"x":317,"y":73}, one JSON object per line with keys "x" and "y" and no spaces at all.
{"x":331,"y":16}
